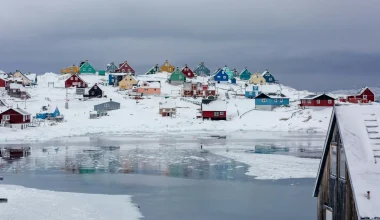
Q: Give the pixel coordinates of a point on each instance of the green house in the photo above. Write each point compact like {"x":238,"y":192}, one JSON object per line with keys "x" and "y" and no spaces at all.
{"x":153,"y":70}
{"x":177,"y":77}
{"x":245,"y":74}
{"x":86,"y":68}
{"x":228,"y":72}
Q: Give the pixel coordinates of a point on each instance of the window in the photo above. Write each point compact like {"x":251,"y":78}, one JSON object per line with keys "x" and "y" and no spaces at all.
{"x":189,"y":74}
{"x":221,"y":113}
{"x":281,"y":100}
{"x":224,"y":77}
{"x":318,"y":101}
{"x":275,"y":100}
{"x":342,"y":171}
{"x":71,"y":78}
{"x":179,"y":77}
{"x":155,"y":89}
{"x":92,"y":93}
{"x":123,"y":70}
{"x":84,"y":69}
{"x":270,"y":78}
{"x":328,"y":213}
{"x":330,"y":101}
{"x":303,"y":101}
{"x":333,"y":159}
{"x":6,"y":117}
{"x":107,"y":105}
{"x":309,"y":101}
{"x":75,"y":78}
{"x":364,"y":96}
{"x":264,"y":100}
{"x":216,"y":113}
{"x":170,"y":69}
{"x":14,"y":90}
{"x":218,"y":76}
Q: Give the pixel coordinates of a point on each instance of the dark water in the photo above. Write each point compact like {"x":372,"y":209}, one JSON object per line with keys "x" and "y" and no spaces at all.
{"x":169,"y":180}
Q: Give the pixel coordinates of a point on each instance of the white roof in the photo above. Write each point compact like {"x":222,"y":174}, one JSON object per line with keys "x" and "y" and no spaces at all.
{"x":22,"y":112}
{"x":168,"y":104}
{"x":31,"y":76}
{"x":2,"y":72}
{"x":150,"y":84}
{"x":275,"y":88}
{"x":15,"y":86}
{"x":215,"y":106}
{"x":361,"y":147}
{"x":119,"y":74}
{"x":362,"y":90}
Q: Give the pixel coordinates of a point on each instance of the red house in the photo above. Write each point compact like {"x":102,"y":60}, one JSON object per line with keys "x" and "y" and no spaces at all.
{"x":15,"y":118}
{"x":125,"y":68}
{"x":214,"y":109}
{"x":188,"y":72}
{"x":365,"y":95}
{"x":191,"y":89}
{"x":3,"y":83}
{"x":313,"y":101}
{"x":75,"y":81}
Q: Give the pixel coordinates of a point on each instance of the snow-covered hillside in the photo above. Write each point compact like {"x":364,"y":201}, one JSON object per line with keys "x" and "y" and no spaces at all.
{"x":143,"y":116}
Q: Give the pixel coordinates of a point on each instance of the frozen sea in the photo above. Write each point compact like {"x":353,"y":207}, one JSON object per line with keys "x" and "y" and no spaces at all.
{"x":170,"y":178}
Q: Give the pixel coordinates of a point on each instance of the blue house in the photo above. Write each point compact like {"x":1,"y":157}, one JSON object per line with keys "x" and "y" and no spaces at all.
{"x":228,"y":72}
{"x":202,"y":70}
{"x":269,"y":101}
{"x":268,"y":77}
{"x":220,"y":76}
{"x":252,"y":91}
{"x":46,"y":114}
{"x":111,"y":68}
{"x":245,"y":74}
{"x":233,"y":80}
{"x":115,"y":78}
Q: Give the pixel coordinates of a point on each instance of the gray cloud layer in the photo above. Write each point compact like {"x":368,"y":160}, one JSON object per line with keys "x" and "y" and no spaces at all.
{"x":316,"y":45}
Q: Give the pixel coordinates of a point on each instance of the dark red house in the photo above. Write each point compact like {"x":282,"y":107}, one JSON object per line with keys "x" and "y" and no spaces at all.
{"x":214,"y":109}
{"x":3,"y":83}
{"x":188,"y":72}
{"x":15,"y":118}
{"x":75,"y":81}
{"x":312,"y":101}
{"x":125,"y":68}
{"x":365,"y":95}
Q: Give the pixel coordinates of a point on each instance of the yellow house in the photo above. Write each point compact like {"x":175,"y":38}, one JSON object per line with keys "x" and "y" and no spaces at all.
{"x":167,"y":67}
{"x":20,"y":75}
{"x":128,"y":82}
{"x":71,"y":70}
{"x":257,"y":79}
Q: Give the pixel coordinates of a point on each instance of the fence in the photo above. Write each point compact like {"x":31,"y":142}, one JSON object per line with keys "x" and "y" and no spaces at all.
{"x":193,"y":102}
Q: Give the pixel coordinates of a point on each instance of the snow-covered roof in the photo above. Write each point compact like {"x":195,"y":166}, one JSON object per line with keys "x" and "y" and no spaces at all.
{"x":119,"y":74}
{"x":217,"y":105}
{"x":22,"y":112}
{"x":151,"y":84}
{"x":15,"y":86}
{"x":272,"y":95}
{"x":265,"y":72}
{"x":362,"y":90}
{"x":314,"y":96}
{"x":2,"y":72}
{"x":168,"y":104}
{"x":31,"y":76}
{"x":360,"y":134}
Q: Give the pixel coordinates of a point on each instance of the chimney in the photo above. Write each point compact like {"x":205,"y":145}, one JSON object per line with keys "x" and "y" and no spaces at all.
{"x":368,"y":195}
{"x":110,"y":100}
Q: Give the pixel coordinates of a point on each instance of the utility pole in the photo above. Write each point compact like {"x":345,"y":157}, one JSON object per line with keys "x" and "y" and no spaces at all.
{"x":67,"y":101}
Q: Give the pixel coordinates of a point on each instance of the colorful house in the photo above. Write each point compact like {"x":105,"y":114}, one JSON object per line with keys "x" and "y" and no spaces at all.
{"x":347,"y":183}
{"x":188,"y":72}
{"x":86,"y":68}
{"x":115,"y":78}
{"x":198,"y":89}
{"x":111,"y":68}
{"x":25,"y":79}
{"x":317,"y":101}
{"x":268,"y":77}
{"x":167,"y":109}
{"x":70,"y":70}
{"x":3,"y":83}
{"x":245,"y":74}
{"x":94,"y":92}
{"x":167,"y":67}
{"x":153,"y":70}
{"x":269,"y":101}
{"x":214,"y":109}
{"x":101,"y":72}
{"x":128,"y":82}
{"x":47,"y":114}
{"x":202,"y":70}
{"x":257,"y":79}
{"x":177,"y":77}
{"x":149,"y":87}
{"x":125,"y":68}
{"x":75,"y":81}
{"x":15,"y":118}
{"x":252,"y":91}
{"x":365,"y":95}
{"x":220,"y":76}
{"x":228,"y":72}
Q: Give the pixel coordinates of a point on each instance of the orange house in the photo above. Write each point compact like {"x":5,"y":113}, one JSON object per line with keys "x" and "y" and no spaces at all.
{"x":149,"y":87}
{"x":167,"y":67}
{"x":72,"y":70}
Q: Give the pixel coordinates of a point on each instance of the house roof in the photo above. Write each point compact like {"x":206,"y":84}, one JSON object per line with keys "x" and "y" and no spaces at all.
{"x":217,"y":105}
{"x":151,"y":84}
{"x":31,"y":76}
{"x":107,"y":103}
{"x":22,"y":112}
{"x":15,"y":86}
{"x":360,"y":136}
{"x":119,"y":74}
{"x":168,"y":104}
{"x":363,"y":89}
{"x":199,"y":66}
{"x":265,"y":72}
{"x":272,"y":95}
{"x":320,"y":96}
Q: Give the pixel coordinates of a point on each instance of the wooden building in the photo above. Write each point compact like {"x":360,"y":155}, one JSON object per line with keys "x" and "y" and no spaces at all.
{"x":188,"y":72}
{"x":94,"y":92}
{"x":202,"y":70}
{"x":70,"y":70}
{"x":75,"y":81}
{"x":3,"y":83}
{"x":15,"y":118}
{"x":214,"y":109}
{"x":348,"y":180}
{"x":107,"y":106}
{"x":270,"y":101}
{"x":198,"y":89}
{"x":153,"y":70}
{"x":245,"y":74}
{"x":149,"y":87}
{"x":365,"y":95}
{"x":257,"y":79}
{"x":86,"y":68}
{"x":19,"y":75}
{"x":177,"y":77}
{"x":228,"y":72}
{"x":220,"y":76}
{"x":115,"y":78}
{"x":269,"y":78}
{"x":125,"y":68}
{"x":317,"y":101}
{"x":128,"y":82}
{"x":111,"y":68}
{"x":17,"y":91}
{"x":167,"y":67}
{"x":167,"y":109}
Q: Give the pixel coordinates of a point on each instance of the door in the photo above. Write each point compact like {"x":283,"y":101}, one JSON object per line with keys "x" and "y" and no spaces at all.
{"x":329,"y":214}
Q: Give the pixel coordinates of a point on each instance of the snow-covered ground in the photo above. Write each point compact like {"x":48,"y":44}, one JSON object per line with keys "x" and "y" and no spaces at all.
{"x":143,"y":116}
{"x":30,"y":204}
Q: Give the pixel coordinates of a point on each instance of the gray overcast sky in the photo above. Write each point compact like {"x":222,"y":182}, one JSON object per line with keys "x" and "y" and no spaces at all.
{"x":315,"y":45}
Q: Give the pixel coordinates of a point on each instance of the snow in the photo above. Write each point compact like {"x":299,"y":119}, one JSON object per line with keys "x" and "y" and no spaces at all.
{"x":215,"y":106}
{"x":15,"y":86}
{"x":29,"y":204}
{"x":143,"y":117}
{"x":272,"y":166}
{"x":31,"y":76}
{"x":168,"y":104}
{"x":360,"y":152}
{"x":2,"y":72}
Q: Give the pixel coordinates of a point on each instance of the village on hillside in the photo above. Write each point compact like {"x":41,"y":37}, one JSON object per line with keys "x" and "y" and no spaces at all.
{"x":83,"y":100}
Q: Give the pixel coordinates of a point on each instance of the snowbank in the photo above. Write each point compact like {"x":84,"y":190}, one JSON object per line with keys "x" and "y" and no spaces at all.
{"x":272,"y":166}
{"x":26,"y":203}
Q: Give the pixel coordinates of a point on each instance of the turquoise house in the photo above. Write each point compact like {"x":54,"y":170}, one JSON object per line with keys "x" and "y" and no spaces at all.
{"x":87,"y":68}
{"x":228,"y":71}
{"x":270,"y":101}
{"x":268,"y":77}
{"x":45,"y":114}
{"x":202,"y":70}
{"x":252,"y":91}
{"x":111,"y":68}
{"x":220,"y":76}
{"x":245,"y":74}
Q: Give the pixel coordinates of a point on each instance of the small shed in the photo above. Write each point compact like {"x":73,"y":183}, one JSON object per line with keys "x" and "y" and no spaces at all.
{"x":101,"y":72}
{"x":167,"y":109}
{"x":93,"y":115}
{"x":214,"y":110}
{"x":233,"y":80}
{"x":107,"y":106}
